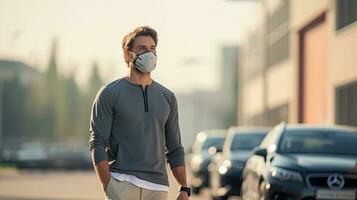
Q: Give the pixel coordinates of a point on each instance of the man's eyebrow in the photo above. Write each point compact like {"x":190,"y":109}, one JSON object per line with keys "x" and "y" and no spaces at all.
{"x":141,"y":46}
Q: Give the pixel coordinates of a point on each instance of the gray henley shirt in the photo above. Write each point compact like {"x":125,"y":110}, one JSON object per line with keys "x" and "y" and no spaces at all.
{"x":135,"y":129}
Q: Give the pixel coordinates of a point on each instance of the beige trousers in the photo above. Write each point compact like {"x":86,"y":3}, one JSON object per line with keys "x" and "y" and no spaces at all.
{"x":122,"y":190}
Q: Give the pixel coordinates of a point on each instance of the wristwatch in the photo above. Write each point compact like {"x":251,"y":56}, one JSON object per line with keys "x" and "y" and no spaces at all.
{"x":186,"y":189}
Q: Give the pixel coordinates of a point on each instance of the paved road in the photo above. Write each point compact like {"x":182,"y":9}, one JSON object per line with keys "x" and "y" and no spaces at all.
{"x":59,"y":185}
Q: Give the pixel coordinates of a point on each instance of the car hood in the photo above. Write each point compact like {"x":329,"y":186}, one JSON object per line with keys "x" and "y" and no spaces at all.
{"x":318,"y":162}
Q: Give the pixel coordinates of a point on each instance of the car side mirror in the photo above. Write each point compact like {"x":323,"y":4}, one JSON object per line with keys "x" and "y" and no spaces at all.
{"x":260,"y":152}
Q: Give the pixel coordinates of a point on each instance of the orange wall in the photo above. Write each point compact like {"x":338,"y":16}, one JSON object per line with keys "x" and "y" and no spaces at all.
{"x":315,"y":72}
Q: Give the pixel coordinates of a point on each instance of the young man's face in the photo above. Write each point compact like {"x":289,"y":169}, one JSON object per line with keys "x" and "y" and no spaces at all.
{"x":141,"y":45}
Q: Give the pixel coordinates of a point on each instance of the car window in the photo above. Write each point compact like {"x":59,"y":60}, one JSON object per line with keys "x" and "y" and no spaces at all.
{"x":246,"y":141}
{"x":319,"y":141}
{"x":213,"y":141}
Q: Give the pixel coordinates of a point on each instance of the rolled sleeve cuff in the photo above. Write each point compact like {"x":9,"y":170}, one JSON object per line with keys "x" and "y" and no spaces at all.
{"x":177,"y":159}
{"x":99,"y":154}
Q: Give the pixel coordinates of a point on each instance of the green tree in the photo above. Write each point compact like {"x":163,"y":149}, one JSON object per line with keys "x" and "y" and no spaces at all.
{"x":87,"y":98}
{"x":14,"y":109}
{"x":73,"y":96}
{"x":51,"y":85}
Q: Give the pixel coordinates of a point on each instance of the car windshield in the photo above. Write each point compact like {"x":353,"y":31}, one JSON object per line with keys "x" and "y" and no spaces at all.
{"x":246,"y":141}
{"x":213,"y":141}
{"x":319,"y":141}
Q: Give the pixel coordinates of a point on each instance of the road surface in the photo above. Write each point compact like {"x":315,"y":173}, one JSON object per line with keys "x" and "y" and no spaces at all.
{"x":59,"y":185}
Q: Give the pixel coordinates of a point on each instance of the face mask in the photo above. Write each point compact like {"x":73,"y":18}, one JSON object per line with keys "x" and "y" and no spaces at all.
{"x":145,"y":62}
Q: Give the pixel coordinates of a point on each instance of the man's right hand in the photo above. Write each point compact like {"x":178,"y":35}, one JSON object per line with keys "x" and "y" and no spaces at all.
{"x":106,"y":183}
{"x":102,"y":170}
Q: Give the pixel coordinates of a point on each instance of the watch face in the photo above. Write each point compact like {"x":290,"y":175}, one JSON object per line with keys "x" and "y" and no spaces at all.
{"x":186,"y":189}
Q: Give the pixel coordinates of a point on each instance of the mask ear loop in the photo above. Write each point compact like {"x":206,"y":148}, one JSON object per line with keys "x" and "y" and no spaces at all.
{"x":135,"y":57}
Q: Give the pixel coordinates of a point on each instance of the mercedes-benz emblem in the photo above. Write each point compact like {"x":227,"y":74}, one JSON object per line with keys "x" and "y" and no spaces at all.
{"x":335,"y":181}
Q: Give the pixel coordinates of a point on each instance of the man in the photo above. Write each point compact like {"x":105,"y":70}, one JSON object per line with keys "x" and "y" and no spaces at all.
{"x":134,"y":126}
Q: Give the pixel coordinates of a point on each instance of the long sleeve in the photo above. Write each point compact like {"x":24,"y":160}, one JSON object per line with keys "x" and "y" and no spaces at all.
{"x":101,"y":124}
{"x":174,"y":151}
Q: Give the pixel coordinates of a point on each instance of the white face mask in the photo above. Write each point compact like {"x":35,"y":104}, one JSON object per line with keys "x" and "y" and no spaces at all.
{"x":145,"y":62}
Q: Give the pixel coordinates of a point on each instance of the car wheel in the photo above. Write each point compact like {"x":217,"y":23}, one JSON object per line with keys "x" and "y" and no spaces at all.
{"x":224,"y":198}
{"x":219,"y":198}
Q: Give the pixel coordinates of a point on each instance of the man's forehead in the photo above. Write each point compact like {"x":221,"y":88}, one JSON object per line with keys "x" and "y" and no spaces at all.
{"x":144,"y":41}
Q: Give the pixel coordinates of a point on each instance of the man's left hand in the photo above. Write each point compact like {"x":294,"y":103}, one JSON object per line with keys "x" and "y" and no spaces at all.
{"x":182,"y":196}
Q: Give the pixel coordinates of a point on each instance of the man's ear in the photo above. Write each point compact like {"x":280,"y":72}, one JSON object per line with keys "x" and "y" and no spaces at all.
{"x":128,"y":56}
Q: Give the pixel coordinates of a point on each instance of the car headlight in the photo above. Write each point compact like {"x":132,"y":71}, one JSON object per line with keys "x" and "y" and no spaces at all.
{"x":223,"y":168}
{"x":284,"y":174}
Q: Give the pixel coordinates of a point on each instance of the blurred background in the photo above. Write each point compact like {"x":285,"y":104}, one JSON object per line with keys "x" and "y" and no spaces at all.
{"x":229,"y":62}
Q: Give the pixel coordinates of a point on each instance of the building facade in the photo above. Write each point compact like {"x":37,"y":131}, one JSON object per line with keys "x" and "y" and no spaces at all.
{"x":308,"y":72}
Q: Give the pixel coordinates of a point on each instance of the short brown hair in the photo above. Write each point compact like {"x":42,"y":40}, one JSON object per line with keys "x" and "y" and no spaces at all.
{"x":129,"y":39}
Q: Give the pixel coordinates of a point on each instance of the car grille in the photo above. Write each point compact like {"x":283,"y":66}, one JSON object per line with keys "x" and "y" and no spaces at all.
{"x":319,"y":181}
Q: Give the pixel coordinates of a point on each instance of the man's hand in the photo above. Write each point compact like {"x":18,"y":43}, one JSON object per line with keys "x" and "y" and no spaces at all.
{"x":105,"y":185}
{"x":182,"y":196}
{"x":102,"y":170}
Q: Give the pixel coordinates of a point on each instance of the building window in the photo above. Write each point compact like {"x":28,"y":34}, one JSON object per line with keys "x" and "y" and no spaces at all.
{"x":278,"y":34}
{"x":346,"y":107}
{"x":346,"y":12}
{"x":272,"y":117}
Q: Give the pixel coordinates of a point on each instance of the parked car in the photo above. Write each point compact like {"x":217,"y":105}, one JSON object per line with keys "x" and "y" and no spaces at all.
{"x":32,"y":155}
{"x":9,"y":154}
{"x":68,"y":156}
{"x":53,"y":155}
{"x":226,"y":169}
{"x":303,"y":162}
{"x":207,"y":143}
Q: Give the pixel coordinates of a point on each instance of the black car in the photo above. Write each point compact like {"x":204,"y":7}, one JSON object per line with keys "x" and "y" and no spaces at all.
{"x":226,"y":168}
{"x":207,"y":143}
{"x":303,"y":162}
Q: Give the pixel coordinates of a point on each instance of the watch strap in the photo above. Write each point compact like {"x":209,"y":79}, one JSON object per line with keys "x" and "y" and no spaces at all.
{"x":186,"y":189}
